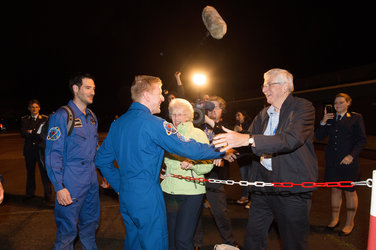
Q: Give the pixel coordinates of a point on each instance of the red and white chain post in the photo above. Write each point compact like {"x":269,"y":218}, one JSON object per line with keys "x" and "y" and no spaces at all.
{"x":372,"y":218}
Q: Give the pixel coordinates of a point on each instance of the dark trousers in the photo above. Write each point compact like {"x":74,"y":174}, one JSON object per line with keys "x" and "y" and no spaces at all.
{"x":291,"y":211}
{"x":31,"y":158}
{"x":244,"y":174}
{"x":183,"y":212}
{"x":215,"y":193}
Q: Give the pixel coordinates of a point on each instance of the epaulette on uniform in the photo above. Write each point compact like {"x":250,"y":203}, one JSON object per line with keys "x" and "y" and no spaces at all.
{"x":25,"y":117}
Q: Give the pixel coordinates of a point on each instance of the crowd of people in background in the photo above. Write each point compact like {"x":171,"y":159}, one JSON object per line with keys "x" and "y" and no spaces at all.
{"x":162,"y":212}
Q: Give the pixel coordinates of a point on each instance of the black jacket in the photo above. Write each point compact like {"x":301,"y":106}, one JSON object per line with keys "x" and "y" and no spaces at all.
{"x":346,"y":137}
{"x":33,"y":139}
{"x":294,"y":159}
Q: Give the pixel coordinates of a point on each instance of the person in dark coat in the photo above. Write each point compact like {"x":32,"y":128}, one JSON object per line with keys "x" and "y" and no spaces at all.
{"x":31,"y":127}
{"x":347,"y":137}
{"x":281,"y":136}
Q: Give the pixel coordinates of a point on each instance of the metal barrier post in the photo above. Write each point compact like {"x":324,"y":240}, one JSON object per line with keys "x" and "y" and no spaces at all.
{"x":372,"y":218}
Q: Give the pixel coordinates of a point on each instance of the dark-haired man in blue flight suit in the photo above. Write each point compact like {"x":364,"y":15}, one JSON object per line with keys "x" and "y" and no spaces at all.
{"x":71,"y":169}
{"x":137,"y":141}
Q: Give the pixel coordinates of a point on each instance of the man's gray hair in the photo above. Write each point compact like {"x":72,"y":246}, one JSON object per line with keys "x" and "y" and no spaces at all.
{"x":282,"y":76}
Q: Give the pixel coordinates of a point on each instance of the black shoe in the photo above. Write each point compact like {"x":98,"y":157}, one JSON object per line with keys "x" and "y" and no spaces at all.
{"x":332,"y":228}
{"x":342,"y":233}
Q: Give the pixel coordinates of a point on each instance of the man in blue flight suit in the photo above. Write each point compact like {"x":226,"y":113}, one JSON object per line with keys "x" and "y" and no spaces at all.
{"x":71,"y":169}
{"x":137,"y":141}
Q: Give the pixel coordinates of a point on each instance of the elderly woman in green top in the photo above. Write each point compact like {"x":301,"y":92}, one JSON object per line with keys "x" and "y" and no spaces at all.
{"x":183,"y":198}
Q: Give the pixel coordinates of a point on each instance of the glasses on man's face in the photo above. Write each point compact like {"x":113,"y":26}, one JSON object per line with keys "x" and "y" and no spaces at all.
{"x":267,"y":85}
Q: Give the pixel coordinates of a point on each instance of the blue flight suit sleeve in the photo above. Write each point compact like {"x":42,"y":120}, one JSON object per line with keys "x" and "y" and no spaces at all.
{"x":105,"y":162}
{"x":168,"y":138}
{"x":55,"y":147}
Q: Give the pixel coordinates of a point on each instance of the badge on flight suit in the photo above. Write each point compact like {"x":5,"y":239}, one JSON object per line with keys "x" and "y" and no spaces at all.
{"x":77,"y":123}
{"x":54,"y":134}
{"x":171,"y":130}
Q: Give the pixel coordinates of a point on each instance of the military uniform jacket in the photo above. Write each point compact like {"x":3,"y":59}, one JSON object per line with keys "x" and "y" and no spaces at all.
{"x":346,"y":137}
{"x":70,"y":159}
{"x":294,"y":159}
{"x":33,"y":139}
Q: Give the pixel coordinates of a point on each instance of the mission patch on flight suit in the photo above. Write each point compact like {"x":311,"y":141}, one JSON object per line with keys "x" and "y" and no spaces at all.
{"x":171,"y":130}
{"x":54,"y":133}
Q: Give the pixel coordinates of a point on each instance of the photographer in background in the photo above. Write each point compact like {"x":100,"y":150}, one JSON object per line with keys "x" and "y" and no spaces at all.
{"x":215,"y":192}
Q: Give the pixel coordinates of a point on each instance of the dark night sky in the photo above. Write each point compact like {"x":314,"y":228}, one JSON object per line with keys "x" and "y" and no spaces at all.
{"x":44,"y":42}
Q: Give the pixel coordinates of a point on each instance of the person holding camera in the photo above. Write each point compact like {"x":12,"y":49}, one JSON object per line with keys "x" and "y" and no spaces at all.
{"x":215,"y":192}
{"x":347,"y":138}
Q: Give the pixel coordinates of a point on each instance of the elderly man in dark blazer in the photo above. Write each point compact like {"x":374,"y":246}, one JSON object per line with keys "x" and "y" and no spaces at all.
{"x":281,"y":139}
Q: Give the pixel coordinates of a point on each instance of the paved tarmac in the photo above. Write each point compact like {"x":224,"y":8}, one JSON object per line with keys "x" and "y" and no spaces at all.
{"x":30,"y":224}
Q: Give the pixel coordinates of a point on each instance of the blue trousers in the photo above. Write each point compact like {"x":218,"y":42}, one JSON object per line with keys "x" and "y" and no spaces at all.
{"x":183,"y":212}
{"x":84,"y":212}
{"x":144,"y":214}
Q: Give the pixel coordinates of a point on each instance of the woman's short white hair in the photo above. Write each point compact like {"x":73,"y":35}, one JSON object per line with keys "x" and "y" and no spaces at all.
{"x":182,"y":104}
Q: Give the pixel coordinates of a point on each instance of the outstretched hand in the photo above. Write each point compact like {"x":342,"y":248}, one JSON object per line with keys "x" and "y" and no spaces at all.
{"x":231,"y":155}
{"x":230,"y":139}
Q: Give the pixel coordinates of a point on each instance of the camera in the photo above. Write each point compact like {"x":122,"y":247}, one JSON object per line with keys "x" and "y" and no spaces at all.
{"x":329,"y":108}
{"x":200,"y":110}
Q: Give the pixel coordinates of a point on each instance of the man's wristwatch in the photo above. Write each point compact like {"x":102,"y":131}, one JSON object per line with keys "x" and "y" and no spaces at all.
{"x":251,"y":140}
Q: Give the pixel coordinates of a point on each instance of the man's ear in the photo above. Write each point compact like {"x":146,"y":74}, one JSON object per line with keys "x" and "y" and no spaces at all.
{"x":75,"y":89}
{"x":146,"y":96}
{"x":285,"y":88}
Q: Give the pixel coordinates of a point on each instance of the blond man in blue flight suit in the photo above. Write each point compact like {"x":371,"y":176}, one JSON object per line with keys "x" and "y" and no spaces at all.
{"x":70,"y":167}
{"x":137,"y":141}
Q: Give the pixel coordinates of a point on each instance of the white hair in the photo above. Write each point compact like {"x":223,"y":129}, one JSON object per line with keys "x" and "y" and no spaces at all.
{"x":282,"y":76}
{"x":184,"y":105}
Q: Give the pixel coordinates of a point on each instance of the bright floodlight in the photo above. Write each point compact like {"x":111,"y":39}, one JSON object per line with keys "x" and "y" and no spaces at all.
{"x":199,"y":79}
